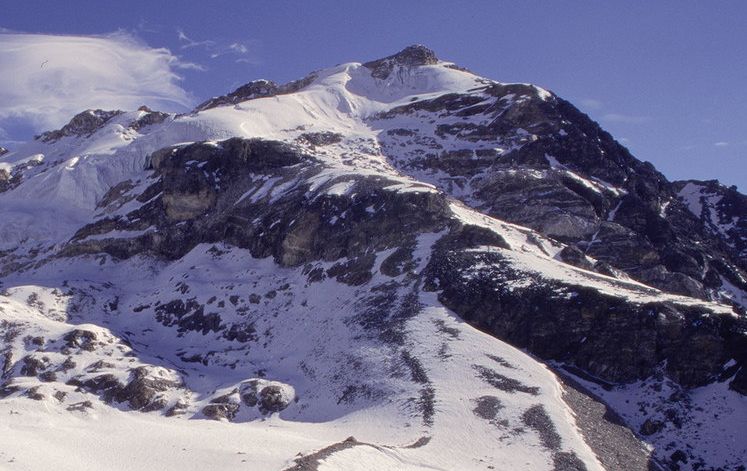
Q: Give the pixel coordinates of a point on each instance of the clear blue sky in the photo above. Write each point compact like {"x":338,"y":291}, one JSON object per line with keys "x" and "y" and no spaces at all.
{"x":667,"y":78}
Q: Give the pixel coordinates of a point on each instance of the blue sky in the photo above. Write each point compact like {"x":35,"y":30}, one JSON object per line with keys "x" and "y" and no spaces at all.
{"x":666,"y":78}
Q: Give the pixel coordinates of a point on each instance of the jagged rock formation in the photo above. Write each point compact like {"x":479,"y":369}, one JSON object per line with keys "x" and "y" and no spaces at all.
{"x":313,"y":256}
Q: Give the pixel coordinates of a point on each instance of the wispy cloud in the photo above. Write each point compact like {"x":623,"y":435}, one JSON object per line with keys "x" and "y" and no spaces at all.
{"x":591,"y":103}
{"x":47,"y":79}
{"x":188,"y":42}
{"x":625,"y":118}
{"x":238,"y":48}
{"x":216,"y":48}
{"x":721,"y":144}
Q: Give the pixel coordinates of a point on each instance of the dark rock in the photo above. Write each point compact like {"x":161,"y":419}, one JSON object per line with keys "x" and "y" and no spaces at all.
{"x":254,"y":90}
{"x":651,"y":426}
{"x":567,"y":461}
{"x":33,"y":366}
{"x":80,"y":406}
{"x":82,"y":124}
{"x":609,"y":337}
{"x":739,"y":384}
{"x":48,"y":376}
{"x":82,"y":339}
{"x":487,"y":407}
{"x":221,"y":411}
{"x":149,"y":119}
{"x":504,"y":383}
{"x":143,"y":391}
{"x":536,"y":418}
{"x":321,"y":138}
{"x":272,"y":399}
{"x":573,"y":256}
{"x":411,"y":56}
{"x":33,"y":393}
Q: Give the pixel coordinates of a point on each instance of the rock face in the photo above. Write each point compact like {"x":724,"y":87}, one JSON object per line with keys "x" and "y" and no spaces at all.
{"x":558,"y":172}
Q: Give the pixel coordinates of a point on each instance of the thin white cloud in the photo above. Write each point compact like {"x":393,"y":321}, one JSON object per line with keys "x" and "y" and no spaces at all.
{"x":217,"y":48}
{"x":238,"y":48}
{"x":189,"y":42}
{"x":624,"y":118}
{"x":46,"y":79}
{"x":721,"y":144}
{"x":591,"y":103}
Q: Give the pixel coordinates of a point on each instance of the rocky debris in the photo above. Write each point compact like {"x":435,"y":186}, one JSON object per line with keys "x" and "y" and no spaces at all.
{"x":504,"y":383}
{"x":487,"y":407}
{"x":536,"y":418}
{"x":320,"y":139}
{"x":616,"y":446}
{"x":312,"y":461}
{"x":411,"y":56}
{"x":82,"y":125}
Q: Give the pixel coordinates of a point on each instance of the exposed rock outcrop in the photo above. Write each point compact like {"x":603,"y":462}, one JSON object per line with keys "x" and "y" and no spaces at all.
{"x":82,"y":124}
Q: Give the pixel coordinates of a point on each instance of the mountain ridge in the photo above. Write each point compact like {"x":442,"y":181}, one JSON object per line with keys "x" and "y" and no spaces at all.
{"x":393,"y":206}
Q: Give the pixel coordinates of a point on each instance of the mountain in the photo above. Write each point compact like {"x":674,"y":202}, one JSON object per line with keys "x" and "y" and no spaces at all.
{"x":396,"y":264}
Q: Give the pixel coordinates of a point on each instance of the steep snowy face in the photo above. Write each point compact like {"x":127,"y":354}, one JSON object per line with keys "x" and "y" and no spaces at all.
{"x":340,"y":256}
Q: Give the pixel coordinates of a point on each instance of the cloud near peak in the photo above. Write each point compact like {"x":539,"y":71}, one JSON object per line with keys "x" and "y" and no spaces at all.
{"x":47,"y":79}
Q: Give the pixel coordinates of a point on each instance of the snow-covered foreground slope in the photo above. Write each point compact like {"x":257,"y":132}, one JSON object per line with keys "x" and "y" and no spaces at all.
{"x":452,"y":390}
{"x":322,"y":260}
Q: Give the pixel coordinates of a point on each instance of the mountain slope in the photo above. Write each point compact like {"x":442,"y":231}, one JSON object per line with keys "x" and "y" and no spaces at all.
{"x":339,"y":256}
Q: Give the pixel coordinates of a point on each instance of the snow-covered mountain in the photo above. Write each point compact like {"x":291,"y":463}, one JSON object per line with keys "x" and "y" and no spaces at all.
{"x":390,"y":265}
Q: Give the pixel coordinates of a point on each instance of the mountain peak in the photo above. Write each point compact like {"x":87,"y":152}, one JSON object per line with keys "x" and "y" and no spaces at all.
{"x":411,"y":56}
{"x":84,"y":123}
